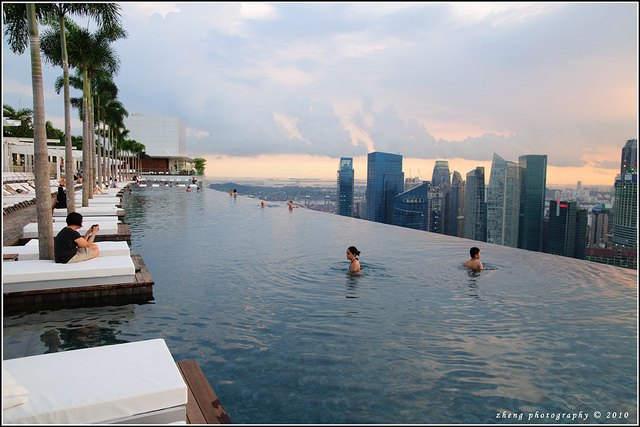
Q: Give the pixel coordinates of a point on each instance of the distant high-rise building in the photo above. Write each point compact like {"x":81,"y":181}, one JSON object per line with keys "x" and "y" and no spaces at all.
{"x":533,"y":182}
{"x":345,"y":186}
{"x":475,"y":209}
{"x":461,"y":204}
{"x":629,"y":160}
{"x":503,"y":203}
{"x":410,"y":208}
{"x":419,"y":208}
{"x":385,"y":180}
{"x":600,"y":224}
{"x":441,"y":173}
{"x":452,"y":207}
{"x":625,"y":211}
{"x":567,"y":229}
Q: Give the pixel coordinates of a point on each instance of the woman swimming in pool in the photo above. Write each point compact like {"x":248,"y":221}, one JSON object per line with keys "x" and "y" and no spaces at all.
{"x":352,"y":253}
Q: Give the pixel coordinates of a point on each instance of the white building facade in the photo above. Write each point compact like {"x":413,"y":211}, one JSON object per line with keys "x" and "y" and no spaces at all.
{"x":164,"y":138}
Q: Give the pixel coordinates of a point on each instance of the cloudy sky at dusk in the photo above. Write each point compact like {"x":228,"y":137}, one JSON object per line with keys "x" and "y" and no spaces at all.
{"x":285,"y":89}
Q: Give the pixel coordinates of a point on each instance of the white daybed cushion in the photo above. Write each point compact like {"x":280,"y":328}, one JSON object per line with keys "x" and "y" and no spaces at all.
{"x":39,"y":275}
{"x":97,"y":385}
{"x":32,"y":251}
{"x":13,"y":394}
{"x":30,"y":231}
{"x":89,"y":211}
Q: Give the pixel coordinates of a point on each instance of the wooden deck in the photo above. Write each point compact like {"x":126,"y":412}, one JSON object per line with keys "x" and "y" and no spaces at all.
{"x":203,"y":406}
{"x":140,"y":291}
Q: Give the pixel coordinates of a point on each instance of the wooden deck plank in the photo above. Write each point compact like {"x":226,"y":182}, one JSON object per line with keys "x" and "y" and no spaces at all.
{"x":204,"y":396}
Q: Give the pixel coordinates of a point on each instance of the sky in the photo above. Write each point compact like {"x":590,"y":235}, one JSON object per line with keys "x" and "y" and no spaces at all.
{"x":281,"y":90}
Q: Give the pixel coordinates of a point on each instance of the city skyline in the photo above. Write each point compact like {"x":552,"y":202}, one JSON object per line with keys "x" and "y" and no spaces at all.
{"x":284,"y":90}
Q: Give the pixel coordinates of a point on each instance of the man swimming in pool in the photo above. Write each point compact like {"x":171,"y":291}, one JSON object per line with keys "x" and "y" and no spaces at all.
{"x":474,"y":263}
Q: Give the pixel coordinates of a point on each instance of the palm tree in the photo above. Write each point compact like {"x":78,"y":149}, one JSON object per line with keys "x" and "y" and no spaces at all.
{"x":22,"y":20}
{"x":105,"y":91}
{"x":104,"y":14}
{"x":91,"y":52}
{"x":114,"y":114}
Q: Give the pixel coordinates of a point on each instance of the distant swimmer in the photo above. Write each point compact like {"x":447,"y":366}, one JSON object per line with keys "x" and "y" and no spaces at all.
{"x":231,"y":192}
{"x":262,"y":204}
{"x":235,"y":193}
{"x":188,"y":189}
{"x":352,"y":253}
{"x":474,"y":263}
{"x":290,"y":205}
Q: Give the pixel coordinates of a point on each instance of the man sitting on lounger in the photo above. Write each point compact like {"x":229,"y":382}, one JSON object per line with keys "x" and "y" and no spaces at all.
{"x":69,"y":246}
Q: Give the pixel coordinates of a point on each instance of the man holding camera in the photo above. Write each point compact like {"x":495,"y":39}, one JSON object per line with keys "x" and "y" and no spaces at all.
{"x":69,"y":246}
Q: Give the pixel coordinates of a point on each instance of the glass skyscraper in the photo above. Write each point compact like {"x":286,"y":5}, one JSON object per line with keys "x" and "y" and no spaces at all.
{"x":629,"y":161}
{"x":410,"y":208}
{"x":625,"y":211}
{"x":345,"y":187}
{"x":503,"y":203}
{"x":475,"y":207}
{"x":385,"y":180}
{"x":567,"y":230}
{"x":533,"y":180}
{"x":441,"y":173}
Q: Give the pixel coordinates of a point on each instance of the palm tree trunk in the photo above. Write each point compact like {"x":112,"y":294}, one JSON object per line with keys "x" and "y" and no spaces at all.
{"x":41,"y":156}
{"x":92,"y":140}
{"x":86,"y":159}
{"x":68,"y":147}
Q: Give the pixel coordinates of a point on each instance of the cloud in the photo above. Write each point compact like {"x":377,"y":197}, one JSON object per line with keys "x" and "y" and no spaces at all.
{"x":426,"y":80}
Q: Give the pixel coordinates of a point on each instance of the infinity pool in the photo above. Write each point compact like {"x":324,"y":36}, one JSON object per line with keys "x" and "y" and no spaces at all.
{"x":262,"y":299}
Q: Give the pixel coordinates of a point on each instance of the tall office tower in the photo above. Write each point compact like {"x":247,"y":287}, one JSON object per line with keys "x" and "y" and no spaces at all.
{"x":461,"y":207}
{"x":567,"y":229}
{"x":503,"y":203}
{"x":345,"y":187}
{"x":475,"y":207}
{"x":533,"y":179}
{"x":451,"y":208}
{"x":600,"y":225}
{"x":629,"y":160}
{"x":435,"y":201}
{"x":441,"y":173}
{"x":384,"y":181}
{"x":625,"y":211}
{"x":410,"y":208}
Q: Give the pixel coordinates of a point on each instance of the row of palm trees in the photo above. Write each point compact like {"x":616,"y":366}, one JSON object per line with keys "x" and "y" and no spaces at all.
{"x":66,"y":44}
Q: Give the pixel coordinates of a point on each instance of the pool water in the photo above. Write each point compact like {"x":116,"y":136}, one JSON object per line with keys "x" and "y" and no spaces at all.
{"x":262,"y":299}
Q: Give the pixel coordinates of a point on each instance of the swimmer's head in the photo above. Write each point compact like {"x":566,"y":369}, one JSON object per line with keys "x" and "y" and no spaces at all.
{"x":353,"y":250}
{"x":474,"y":251}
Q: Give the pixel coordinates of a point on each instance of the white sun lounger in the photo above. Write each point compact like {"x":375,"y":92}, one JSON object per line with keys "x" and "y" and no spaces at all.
{"x":136,"y":382}
{"x":38,"y":275}
{"x":31,"y":252}
{"x":107,"y":226}
{"x":89,"y":211}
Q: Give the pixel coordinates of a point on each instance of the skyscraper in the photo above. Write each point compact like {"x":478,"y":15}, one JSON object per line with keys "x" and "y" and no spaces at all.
{"x":625,"y":211}
{"x":345,"y":186}
{"x":533,"y":179}
{"x":410,"y":208}
{"x":600,"y":220}
{"x":441,"y":173}
{"x":384,"y":181}
{"x":567,"y":230}
{"x":503,"y":203}
{"x":629,"y":161}
{"x":475,"y":209}
{"x":452,"y":206}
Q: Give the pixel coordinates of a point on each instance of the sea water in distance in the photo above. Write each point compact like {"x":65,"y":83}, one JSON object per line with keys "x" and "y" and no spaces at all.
{"x":262,"y":299}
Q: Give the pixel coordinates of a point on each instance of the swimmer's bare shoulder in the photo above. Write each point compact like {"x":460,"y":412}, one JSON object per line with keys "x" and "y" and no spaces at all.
{"x":473,"y":264}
